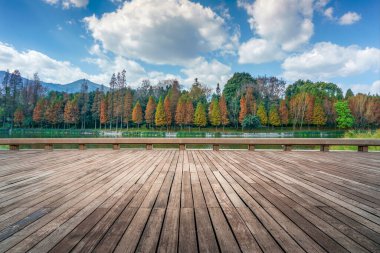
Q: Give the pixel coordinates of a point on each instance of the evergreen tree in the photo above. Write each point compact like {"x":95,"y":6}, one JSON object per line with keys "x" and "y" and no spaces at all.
{"x":349,"y":94}
{"x":200,"y":119}
{"x":160,"y":118}
{"x":274,"y":118}
{"x":345,"y":118}
{"x":223,"y":111}
{"x":149,"y":112}
{"x":137,"y":116}
{"x":262,"y":114}
{"x":319,"y":116}
{"x":215,"y":114}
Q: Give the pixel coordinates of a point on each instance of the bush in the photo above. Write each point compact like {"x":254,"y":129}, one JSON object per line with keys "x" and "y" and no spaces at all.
{"x":251,"y":122}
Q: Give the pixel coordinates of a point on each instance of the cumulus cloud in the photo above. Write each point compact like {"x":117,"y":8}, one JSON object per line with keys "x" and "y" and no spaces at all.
{"x":349,"y":18}
{"x":30,"y":61}
{"x":329,"y":13}
{"x":326,"y":60}
{"x":160,"y":32}
{"x":373,"y":88}
{"x":258,"y":51}
{"x":209,"y":73}
{"x":66,"y":4}
{"x":285,"y":25}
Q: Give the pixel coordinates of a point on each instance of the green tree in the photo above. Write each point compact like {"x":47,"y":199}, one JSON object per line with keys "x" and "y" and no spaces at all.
{"x":160,"y":118}
{"x":274,"y":118}
{"x":200,"y":119}
{"x":215,"y":114}
{"x":235,"y":83}
{"x":345,"y":118}
{"x":251,"y":122}
{"x":349,"y":94}
{"x":262,"y":113}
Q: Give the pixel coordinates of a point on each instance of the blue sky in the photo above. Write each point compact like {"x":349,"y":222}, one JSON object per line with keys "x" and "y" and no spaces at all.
{"x":321,"y":40}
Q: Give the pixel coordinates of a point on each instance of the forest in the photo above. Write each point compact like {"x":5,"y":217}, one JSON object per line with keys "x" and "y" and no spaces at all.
{"x":246,"y":102}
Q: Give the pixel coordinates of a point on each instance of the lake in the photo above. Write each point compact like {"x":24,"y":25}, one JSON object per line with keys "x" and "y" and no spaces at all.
{"x":88,"y":133}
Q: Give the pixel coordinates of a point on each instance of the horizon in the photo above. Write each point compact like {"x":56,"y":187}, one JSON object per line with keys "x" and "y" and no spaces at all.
{"x":66,"y":40}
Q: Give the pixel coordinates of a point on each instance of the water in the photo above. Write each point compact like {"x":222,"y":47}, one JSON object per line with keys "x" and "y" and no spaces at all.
{"x":73,"y":133}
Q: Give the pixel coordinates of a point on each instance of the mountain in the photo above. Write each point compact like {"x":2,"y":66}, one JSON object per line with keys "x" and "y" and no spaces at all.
{"x":69,"y":87}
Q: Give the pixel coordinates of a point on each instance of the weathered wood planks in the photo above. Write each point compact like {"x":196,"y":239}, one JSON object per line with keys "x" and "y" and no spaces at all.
{"x":189,"y":201}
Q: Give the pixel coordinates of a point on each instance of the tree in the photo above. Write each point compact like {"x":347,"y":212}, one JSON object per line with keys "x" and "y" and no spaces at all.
{"x":38,"y":112}
{"x":127,"y":111}
{"x":284,"y":113}
{"x":137,"y":116}
{"x":168,"y":112}
{"x":71,"y":112}
{"x":149,"y":111}
{"x":83,"y":103}
{"x":274,"y":118}
{"x":103,"y":117}
{"x":298,"y":106}
{"x":358,"y":105}
{"x":243,"y":110}
{"x":251,"y":122}
{"x":223,"y":111}
{"x":349,"y":94}
{"x":199,"y":92}
{"x":95,"y":109}
{"x":235,"y":83}
{"x":373,"y":111}
{"x":345,"y":118}
{"x":250,"y":103}
{"x":18,"y":117}
{"x":215,"y":114}
{"x":189,"y":115}
{"x":262,"y":114}
{"x":180,"y":112}
{"x":319,"y":116}
{"x":160,"y":118}
{"x":309,"y":109}
{"x":174,"y":95}
{"x":200,"y":119}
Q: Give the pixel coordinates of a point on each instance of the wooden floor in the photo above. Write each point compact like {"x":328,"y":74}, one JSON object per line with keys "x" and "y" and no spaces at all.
{"x":188,"y":201}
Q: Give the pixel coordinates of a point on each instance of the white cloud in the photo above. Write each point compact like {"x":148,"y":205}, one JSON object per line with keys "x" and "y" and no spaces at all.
{"x":258,"y":51}
{"x":287,"y":24}
{"x":66,"y":4}
{"x":209,"y":73}
{"x":326,"y":60}
{"x":160,"y":32}
{"x":373,"y":88}
{"x":30,"y":61}
{"x":349,"y":18}
{"x":329,"y":13}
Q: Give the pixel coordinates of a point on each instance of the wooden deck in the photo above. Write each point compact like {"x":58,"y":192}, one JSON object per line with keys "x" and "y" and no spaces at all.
{"x":188,"y":201}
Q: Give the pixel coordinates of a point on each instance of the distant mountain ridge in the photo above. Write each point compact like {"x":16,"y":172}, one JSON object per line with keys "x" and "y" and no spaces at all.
{"x":69,"y":87}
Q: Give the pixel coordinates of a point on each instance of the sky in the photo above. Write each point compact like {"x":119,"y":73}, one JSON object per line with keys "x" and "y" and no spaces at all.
{"x":320,"y":40}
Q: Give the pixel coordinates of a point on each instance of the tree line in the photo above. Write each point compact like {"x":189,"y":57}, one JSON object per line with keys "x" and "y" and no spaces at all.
{"x":246,"y":102}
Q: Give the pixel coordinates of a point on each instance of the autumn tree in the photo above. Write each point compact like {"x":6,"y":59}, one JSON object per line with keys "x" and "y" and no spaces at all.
{"x":180,"y":112}
{"x":298,"y":106}
{"x":160,"y":118}
{"x":103,"y":117}
{"x":168,"y":112}
{"x":215,"y":114}
{"x":223,"y":112}
{"x":174,"y":95}
{"x":262,"y":114}
{"x":358,"y":106}
{"x":319,"y":116}
{"x":373,"y":111}
{"x":149,"y":112}
{"x":137,"y":116}
{"x":310,"y":100}
{"x":243,"y":110}
{"x":250,"y":103}
{"x":274,"y":118}
{"x":38,"y":111}
{"x":284,"y":113}
{"x":200,"y":119}
{"x":127,"y":110}
{"x":189,"y":115}
{"x":18,"y":117}
{"x":95,"y":109}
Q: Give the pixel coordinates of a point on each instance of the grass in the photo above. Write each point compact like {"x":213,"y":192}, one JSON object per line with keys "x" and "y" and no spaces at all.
{"x":374,"y":134}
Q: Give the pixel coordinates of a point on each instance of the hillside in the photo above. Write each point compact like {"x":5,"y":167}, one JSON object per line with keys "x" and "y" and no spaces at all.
{"x":69,"y":87}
